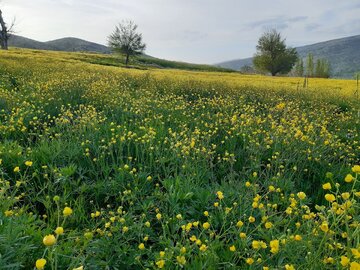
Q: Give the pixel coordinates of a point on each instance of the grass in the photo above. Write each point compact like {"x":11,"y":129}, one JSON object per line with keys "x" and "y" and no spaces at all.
{"x":172,"y":169}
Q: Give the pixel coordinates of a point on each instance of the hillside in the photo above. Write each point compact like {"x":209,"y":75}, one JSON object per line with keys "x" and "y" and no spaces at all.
{"x":343,"y":54}
{"x":64,"y":44}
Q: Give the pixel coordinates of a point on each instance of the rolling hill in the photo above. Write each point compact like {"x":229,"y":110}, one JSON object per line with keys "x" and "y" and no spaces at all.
{"x":64,"y":44}
{"x":343,"y":54}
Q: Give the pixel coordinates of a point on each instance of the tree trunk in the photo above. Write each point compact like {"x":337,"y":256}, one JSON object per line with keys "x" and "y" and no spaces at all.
{"x":127,"y":59}
{"x":4,"y":35}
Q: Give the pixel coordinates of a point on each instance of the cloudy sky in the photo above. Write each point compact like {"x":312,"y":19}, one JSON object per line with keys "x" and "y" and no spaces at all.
{"x":200,"y":31}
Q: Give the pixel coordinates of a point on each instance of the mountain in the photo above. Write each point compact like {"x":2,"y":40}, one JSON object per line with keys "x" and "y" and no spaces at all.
{"x":64,"y":44}
{"x":343,"y":54}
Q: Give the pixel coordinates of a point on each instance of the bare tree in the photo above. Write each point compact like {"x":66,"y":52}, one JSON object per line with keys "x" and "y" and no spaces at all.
{"x":125,"y":39}
{"x":5,"y":32}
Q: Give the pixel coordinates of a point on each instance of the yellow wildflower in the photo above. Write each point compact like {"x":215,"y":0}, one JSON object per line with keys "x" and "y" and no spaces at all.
{"x":160,"y":264}
{"x":326,"y":186}
{"x":40,"y":264}
{"x":206,"y":225}
{"x":49,"y":240}
{"x":67,"y":211}
{"x":59,"y":230}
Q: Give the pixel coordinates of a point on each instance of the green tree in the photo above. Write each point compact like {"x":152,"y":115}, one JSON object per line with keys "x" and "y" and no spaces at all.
{"x":310,"y":65}
{"x":126,"y":40}
{"x":299,"y":68}
{"x":322,"y":69}
{"x":272,"y":54}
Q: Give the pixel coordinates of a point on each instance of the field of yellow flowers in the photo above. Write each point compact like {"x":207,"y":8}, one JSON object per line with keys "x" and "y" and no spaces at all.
{"x":109,"y":168}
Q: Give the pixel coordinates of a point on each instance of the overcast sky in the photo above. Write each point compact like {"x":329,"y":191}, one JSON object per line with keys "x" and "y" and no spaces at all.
{"x":199,"y":31}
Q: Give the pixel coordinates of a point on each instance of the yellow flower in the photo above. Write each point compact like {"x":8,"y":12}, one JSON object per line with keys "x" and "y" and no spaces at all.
{"x":183,"y":250}
{"x":274,"y":246}
{"x":345,"y":195}
{"x":147,"y":224}
{"x":220,"y":195}
{"x":330,"y":197}
{"x":216,"y":204}
{"x":203,"y":247}
{"x":344,"y":261}
{"x":249,"y":261}
{"x":160,"y":264}
{"x":125,"y":229}
{"x":206,"y":213}
{"x":9,"y":213}
{"x":301,"y":195}
{"x":349,"y":178}
{"x":298,"y":237}
{"x":181,"y":260}
{"x":324,"y":227}
{"x":356,"y":253}
{"x":258,"y":244}
{"x":16,"y":169}
{"x":59,"y":230}
{"x":149,"y":178}
{"x":354,"y":266}
{"x":67,"y":211}
{"x":329,"y":260}
{"x":28,"y":163}
{"x":242,"y":235}
{"x":79,"y":268}
{"x":141,"y":246}
{"x":179,"y":216}
{"x":158,"y":216}
{"x":280,"y":106}
{"x":206,"y":225}
{"x":40,"y":264}
{"x":232,"y":248}
{"x":239,"y":224}
{"x":356,"y":169}
{"x":49,"y":240}
{"x":289,"y":267}
{"x":268,"y":225}
{"x":326,"y":186}
{"x":251,"y":219}
{"x":247,"y":184}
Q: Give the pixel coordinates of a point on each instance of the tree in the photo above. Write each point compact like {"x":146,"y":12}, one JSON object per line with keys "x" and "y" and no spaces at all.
{"x":125,"y":39}
{"x":322,"y":69}
{"x":272,"y":54}
{"x":5,"y":32}
{"x":299,"y":68}
{"x":310,"y":65}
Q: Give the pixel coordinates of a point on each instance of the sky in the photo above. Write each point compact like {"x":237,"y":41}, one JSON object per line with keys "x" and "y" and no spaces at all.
{"x":197,"y":31}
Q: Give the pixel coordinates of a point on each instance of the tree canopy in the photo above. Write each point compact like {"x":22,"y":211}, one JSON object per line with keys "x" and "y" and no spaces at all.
{"x":125,"y":39}
{"x":272,"y":54}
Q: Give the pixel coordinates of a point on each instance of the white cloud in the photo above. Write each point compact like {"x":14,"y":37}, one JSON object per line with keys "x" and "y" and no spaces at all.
{"x":203,"y":31}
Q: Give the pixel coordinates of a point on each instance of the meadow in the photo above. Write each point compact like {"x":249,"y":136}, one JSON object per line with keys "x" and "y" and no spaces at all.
{"x":103,"y":167}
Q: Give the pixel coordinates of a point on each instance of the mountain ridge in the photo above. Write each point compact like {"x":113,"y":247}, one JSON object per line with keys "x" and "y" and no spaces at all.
{"x":68,"y":44}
